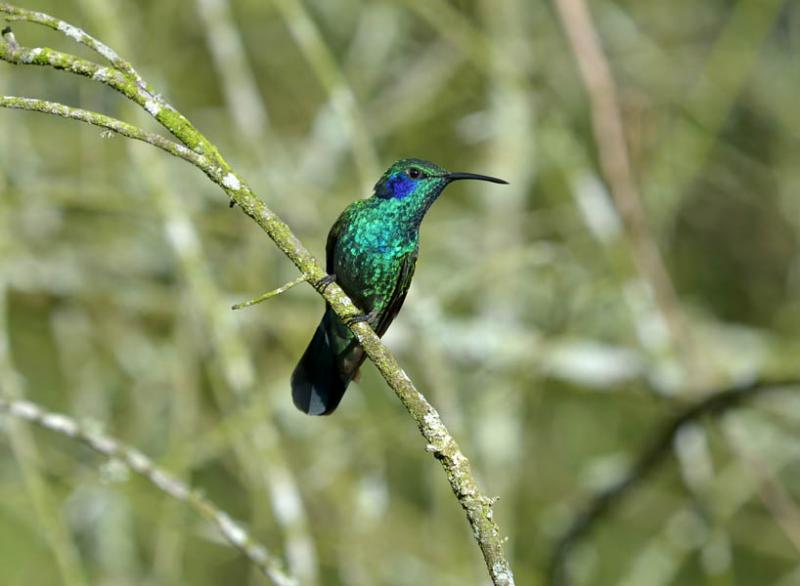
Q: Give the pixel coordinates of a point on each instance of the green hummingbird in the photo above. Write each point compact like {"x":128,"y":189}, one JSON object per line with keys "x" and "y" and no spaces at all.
{"x":371,"y":253}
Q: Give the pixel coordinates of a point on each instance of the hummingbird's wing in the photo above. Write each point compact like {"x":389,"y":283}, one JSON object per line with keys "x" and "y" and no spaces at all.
{"x":332,"y":358}
{"x":330,"y":245}
{"x":398,"y":296}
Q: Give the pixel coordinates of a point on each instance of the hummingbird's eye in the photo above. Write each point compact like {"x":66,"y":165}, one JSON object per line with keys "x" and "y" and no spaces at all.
{"x":414,"y":173}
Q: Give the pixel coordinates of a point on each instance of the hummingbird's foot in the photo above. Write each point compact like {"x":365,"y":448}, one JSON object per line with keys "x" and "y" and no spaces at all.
{"x":323,"y":283}
{"x":367,"y":317}
{"x":231,"y":204}
{"x":8,"y":37}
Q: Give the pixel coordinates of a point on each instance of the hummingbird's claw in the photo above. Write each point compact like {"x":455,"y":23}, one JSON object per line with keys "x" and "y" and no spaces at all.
{"x":323,"y":283}
{"x":367,"y":317}
{"x":8,"y":37}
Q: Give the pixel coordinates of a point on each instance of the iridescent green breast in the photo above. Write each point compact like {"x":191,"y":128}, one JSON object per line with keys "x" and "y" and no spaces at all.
{"x":374,"y":240}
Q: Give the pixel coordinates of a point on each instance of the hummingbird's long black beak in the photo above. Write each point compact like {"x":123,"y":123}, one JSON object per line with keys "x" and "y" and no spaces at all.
{"x":457,"y":176}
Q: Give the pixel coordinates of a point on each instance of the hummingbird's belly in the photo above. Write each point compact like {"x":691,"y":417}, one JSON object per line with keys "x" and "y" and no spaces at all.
{"x":368,"y":273}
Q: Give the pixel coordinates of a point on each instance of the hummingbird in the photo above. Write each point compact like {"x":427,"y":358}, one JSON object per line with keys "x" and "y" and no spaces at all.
{"x":371,"y":253}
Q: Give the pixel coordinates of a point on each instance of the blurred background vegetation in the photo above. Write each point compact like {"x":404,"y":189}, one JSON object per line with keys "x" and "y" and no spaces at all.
{"x":529,"y":324}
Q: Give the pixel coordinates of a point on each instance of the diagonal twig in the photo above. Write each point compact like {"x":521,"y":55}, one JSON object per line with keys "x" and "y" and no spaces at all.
{"x":109,"y":447}
{"x":271,"y":294}
{"x":342,"y":98}
{"x":602,"y":503}
{"x":609,"y":135}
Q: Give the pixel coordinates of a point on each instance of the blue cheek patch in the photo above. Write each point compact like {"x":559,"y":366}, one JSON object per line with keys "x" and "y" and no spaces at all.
{"x":400,"y":186}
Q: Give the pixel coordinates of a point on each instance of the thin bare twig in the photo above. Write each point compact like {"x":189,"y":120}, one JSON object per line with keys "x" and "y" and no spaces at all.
{"x":109,"y":447}
{"x":602,"y":503}
{"x":775,"y":497}
{"x":343,"y":100}
{"x":25,"y":451}
{"x":271,"y":294}
{"x":613,"y":152}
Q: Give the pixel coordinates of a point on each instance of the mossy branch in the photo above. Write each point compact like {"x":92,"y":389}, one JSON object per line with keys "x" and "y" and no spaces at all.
{"x":122,"y":77}
{"x":108,"y":123}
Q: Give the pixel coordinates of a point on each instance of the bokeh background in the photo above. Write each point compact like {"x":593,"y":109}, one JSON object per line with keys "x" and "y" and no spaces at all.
{"x":530,"y":325}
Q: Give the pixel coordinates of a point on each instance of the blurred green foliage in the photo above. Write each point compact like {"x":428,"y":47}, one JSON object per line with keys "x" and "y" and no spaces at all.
{"x":528,"y":325}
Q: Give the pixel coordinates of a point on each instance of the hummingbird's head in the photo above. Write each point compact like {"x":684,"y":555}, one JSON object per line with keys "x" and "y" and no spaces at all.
{"x":417,"y":183}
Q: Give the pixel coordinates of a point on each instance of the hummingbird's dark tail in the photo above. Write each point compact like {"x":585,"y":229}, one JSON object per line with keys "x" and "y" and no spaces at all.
{"x":328,"y":365}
